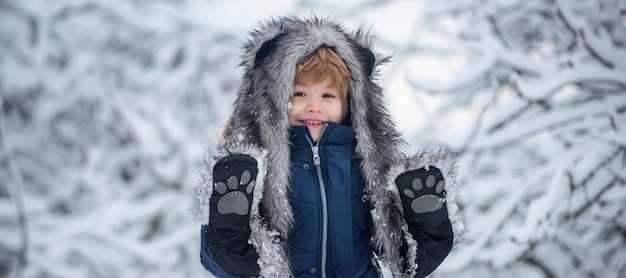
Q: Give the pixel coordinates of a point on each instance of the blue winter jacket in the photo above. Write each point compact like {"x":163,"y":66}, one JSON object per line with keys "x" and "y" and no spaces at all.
{"x":332,"y":221}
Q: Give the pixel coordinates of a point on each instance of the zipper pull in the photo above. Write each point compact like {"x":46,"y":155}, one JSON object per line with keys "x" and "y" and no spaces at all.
{"x":316,"y":155}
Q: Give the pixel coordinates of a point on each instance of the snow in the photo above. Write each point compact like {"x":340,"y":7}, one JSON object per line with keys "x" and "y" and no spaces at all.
{"x":107,"y":108}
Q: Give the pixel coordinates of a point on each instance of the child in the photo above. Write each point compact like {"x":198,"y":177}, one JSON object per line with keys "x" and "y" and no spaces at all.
{"x":311,"y":178}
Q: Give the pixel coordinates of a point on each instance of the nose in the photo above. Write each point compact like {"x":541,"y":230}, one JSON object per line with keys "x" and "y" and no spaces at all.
{"x":314,"y":106}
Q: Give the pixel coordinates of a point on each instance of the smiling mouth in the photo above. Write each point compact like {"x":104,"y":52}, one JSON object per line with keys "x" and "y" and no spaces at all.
{"x":308,"y":122}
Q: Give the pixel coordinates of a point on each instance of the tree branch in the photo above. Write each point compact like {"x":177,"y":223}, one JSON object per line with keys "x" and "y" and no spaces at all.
{"x":16,"y":191}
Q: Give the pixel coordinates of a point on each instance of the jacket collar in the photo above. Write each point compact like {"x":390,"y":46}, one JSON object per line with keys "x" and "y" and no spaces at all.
{"x":334,"y":134}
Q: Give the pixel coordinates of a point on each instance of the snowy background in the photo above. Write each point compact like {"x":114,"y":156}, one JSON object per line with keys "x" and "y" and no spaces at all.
{"x":106,"y":108}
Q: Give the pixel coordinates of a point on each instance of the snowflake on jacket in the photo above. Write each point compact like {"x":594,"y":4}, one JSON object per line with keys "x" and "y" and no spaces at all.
{"x":286,"y":195}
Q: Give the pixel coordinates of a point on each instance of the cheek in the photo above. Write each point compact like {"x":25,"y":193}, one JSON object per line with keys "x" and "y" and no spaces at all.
{"x":337,"y":113}
{"x":291,"y":113}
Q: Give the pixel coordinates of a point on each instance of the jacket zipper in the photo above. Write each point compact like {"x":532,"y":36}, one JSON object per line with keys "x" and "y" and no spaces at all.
{"x":317,"y":163}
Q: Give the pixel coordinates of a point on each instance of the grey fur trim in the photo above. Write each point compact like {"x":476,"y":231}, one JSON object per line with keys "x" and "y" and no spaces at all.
{"x":273,"y":259}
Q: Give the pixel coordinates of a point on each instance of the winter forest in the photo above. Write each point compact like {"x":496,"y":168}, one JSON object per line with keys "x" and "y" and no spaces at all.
{"x":106,"y":109}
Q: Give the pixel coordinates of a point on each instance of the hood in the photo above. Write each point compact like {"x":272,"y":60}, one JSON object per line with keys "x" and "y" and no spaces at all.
{"x":260,"y":111}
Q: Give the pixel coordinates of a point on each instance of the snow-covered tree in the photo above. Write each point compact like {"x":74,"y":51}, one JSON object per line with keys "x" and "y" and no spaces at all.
{"x":106,"y":109}
{"x":543,"y":152}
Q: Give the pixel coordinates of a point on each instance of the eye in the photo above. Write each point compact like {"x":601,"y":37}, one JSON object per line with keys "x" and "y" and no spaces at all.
{"x":299,"y":94}
{"x":329,"y":95}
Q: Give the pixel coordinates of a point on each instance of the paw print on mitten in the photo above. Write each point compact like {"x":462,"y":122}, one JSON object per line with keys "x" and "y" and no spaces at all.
{"x":422,"y":190}
{"x":233,"y":200}
{"x":234,"y":179}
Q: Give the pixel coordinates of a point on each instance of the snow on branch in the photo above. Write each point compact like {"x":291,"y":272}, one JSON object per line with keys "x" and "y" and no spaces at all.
{"x":545,"y":155}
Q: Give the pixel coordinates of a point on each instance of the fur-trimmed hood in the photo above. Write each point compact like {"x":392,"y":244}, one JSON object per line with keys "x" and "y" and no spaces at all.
{"x":259,"y":127}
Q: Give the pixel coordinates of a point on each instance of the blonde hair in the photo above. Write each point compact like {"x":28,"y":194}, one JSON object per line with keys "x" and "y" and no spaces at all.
{"x":323,"y":64}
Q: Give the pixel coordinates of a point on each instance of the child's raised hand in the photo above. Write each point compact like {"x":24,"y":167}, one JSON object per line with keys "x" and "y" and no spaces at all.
{"x":229,"y":231}
{"x":424,"y":202}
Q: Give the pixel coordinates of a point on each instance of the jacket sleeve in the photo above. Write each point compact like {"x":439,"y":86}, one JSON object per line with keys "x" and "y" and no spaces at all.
{"x":207,"y":259}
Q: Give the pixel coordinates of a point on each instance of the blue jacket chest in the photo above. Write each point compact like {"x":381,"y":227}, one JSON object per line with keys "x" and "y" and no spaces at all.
{"x":332,"y":219}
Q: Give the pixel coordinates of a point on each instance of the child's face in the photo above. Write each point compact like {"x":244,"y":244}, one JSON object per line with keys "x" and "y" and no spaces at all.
{"x":314,"y":105}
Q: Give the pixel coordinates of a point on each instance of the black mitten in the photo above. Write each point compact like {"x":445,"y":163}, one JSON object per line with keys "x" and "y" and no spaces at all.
{"x":423,"y":198}
{"x":228,"y":232}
